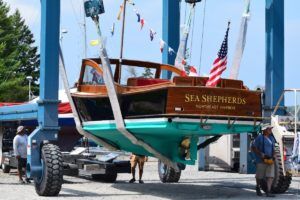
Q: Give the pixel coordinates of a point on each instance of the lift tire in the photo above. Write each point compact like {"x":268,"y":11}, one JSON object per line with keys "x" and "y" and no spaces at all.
{"x":167,"y":174}
{"x":281,"y":183}
{"x":5,"y":168}
{"x":108,"y":177}
{"x":50,"y":182}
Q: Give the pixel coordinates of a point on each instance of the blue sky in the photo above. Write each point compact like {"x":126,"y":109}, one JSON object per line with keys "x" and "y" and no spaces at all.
{"x":139,"y":46}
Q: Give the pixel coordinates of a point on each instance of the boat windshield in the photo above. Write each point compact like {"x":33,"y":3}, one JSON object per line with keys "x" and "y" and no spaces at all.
{"x":92,"y":77}
{"x":135,"y":72}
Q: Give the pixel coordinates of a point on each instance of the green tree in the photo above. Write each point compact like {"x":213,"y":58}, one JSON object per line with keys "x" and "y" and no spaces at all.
{"x":18,"y":57}
{"x":148,"y":73}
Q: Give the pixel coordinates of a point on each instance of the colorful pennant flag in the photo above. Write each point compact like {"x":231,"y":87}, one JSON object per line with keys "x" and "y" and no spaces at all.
{"x":112,"y":30}
{"x":162,"y":45}
{"x":131,"y":2}
{"x":142,"y":23}
{"x":120,"y":12}
{"x":94,"y":42}
{"x":171,"y":51}
{"x":138,"y":16}
{"x":193,"y":71}
{"x":152,"y":33}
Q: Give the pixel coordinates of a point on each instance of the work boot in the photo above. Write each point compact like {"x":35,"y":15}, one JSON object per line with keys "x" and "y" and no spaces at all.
{"x":132,"y":180}
{"x":258,"y":192}
{"x":269,"y":194}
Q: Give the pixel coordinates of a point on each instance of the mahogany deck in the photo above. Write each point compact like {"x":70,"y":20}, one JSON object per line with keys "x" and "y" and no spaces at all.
{"x":183,"y":96}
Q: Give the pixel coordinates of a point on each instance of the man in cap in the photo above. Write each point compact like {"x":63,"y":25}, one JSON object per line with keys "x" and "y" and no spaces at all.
{"x":20,"y":150}
{"x":263,"y":147}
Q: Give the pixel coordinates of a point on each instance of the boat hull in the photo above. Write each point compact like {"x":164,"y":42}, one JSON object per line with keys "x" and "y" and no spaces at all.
{"x":167,"y":115}
{"x":166,"y":134}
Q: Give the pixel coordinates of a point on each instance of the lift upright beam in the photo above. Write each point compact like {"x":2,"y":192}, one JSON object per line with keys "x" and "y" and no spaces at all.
{"x":274,"y":82}
{"x":47,"y":115}
{"x":171,"y":31}
{"x":47,"y":105}
{"x":274,"y":54}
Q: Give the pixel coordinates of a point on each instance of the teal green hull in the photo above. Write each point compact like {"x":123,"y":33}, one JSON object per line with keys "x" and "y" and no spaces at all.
{"x":165,"y":136}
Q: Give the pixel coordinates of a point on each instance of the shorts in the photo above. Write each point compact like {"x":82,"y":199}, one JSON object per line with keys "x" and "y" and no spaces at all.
{"x":265,"y":171}
{"x":137,"y":159}
{"x":22,"y":163}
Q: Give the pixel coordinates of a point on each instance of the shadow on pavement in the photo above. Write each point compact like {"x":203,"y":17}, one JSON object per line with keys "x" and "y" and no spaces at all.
{"x":187,"y":191}
{"x":80,"y":193}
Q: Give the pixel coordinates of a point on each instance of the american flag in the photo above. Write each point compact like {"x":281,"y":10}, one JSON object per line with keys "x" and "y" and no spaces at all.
{"x":219,"y":64}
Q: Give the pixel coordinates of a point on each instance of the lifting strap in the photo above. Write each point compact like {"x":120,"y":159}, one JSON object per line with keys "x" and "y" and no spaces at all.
{"x":115,"y":105}
{"x":63,"y":74}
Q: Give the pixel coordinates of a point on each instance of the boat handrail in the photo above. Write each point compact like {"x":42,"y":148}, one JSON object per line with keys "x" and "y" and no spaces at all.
{"x":136,"y":63}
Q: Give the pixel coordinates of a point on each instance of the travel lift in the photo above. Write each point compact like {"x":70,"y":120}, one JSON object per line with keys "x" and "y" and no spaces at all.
{"x":44,"y":162}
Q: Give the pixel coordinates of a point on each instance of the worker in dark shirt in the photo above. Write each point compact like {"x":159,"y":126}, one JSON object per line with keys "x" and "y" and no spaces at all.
{"x":263,"y":147}
{"x":20,"y":150}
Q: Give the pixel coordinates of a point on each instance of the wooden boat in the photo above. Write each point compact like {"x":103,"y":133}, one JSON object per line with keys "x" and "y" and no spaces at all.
{"x":169,"y":115}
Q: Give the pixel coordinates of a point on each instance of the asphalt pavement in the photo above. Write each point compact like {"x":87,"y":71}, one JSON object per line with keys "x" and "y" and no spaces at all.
{"x":192,"y":185}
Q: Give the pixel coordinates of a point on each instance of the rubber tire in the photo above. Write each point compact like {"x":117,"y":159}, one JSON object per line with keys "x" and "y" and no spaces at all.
{"x":168,"y":174}
{"x":5,"y":168}
{"x":52,"y":178}
{"x":281,"y":183}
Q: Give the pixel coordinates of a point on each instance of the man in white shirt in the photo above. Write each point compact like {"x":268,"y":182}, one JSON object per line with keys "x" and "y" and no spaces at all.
{"x":20,"y":150}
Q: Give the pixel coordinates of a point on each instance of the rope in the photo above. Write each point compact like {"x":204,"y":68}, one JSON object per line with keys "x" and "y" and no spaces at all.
{"x":76,"y":17}
{"x":202,"y":36}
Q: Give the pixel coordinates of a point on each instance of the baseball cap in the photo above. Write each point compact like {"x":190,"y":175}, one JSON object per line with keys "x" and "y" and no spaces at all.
{"x":266,"y":126}
{"x":20,"y":129}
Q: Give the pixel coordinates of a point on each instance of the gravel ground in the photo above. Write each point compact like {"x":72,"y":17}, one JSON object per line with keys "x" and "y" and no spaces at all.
{"x":192,"y":185}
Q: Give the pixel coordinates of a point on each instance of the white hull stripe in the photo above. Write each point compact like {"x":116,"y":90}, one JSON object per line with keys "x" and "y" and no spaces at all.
{"x":126,"y":121}
{"x":184,"y":120}
{"x":68,"y":115}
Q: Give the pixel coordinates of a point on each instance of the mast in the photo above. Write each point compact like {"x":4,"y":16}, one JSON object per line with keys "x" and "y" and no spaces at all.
{"x":85,"y":44}
{"x":84,"y":32}
{"x":122,"y":43}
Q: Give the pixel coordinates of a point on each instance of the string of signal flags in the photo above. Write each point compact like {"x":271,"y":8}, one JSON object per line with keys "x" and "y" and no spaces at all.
{"x":152,"y":35}
{"x":143,"y":25}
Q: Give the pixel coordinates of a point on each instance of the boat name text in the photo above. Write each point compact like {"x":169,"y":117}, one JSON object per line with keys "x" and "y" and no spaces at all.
{"x":214,"y":99}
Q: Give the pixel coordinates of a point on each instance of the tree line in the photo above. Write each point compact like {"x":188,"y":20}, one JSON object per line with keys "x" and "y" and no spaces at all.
{"x":19,"y":57}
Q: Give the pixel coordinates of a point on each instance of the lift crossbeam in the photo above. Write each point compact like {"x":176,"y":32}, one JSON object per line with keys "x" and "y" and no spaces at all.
{"x":19,"y":112}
